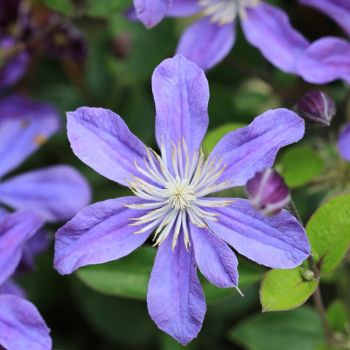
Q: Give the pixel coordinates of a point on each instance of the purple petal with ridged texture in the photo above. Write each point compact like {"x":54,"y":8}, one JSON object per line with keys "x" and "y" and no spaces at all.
{"x":98,"y":234}
{"x":325,"y":60}
{"x":175,"y":297}
{"x":181,"y":95}
{"x":55,"y":193}
{"x":278,"y":241}
{"x":12,"y":288}
{"x":206,"y":43}
{"x":269,"y":30}
{"x":151,"y":12}
{"x":15,"y":230}
{"x":102,"y":140}
{"x":344,"y":142}
{"x":253,"y":148}
{"x":24,"y":126}
{"x":21,"y":326}
{"x":215,"y":260}
{"x":338,"y":10}
{"x":183,"y":8}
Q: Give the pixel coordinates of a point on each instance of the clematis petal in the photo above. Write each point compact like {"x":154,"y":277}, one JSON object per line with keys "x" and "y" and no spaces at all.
{"x":24,"y":126}
{"x":269,"y":30}
{"x":325,"y":60}
{"x":21,"y":326}
{"x":55,"y":193}
{"x":151,"y":12}
{"x":99,"y":233}
{"x":216,"y":261}
{"x":175,"y":297}
{"x":102,"y":140}
{"x":338,"y":10}
{"x":36,"y":245}
{"x":253,"y":148}
{"x":182,"y":8}
{"x":181,"y":95}
{"x":10,"y":287}
{"x":344,"y":142}
{"x":15,"y":230}
{"x":206,"y":43}
{"x":278,"y":241}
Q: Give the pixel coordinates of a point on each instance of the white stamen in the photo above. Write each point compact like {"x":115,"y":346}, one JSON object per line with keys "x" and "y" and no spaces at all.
{"x":173,"y":186}
{"x":226,"y":11}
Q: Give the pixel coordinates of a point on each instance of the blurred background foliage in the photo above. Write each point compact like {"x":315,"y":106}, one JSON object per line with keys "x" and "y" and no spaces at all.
{"x":103,"y":307}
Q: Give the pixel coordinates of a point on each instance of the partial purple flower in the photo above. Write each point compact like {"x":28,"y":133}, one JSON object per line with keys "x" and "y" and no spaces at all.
{"x":171,"y":197}
{"x":317,"y":107}
{"x":21,"y":326}
{"x":268,"y":192}
{"x":328,"y":58}
{"x":55,"y":193}
{"x":211,"y":38}
{"x":11,"y":69}
{"x":344,"y":142}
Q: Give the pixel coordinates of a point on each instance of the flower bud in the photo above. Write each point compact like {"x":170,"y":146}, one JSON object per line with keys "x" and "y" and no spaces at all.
{"x":268,"y":192}
{"x":317,"y":106}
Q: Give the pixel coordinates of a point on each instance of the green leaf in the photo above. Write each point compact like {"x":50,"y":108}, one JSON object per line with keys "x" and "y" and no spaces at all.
{"x":127,"y":277}
{"x":299,"y":165}
{"x":329,"y":232}
{"x":297,"y":329}
{"x":337,"y":316}
{"x":215,"y":135}
{"x":286,"y":289}
{"x":105,"y":8}
{"x":64,"y":6}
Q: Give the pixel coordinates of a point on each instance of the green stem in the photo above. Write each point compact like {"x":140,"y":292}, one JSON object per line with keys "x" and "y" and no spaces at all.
{"x":317,"y":296}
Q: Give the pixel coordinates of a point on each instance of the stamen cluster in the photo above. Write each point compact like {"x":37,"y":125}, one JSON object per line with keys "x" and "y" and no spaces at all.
{"x":174,"y":191}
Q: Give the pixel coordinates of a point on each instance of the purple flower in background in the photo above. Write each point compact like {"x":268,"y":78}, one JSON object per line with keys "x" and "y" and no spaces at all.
{"x":328,"y":58}
{"x":55,"y":193}
{"x":14,"y":68}
{"x":268,"y":192}
{"x":171,"y":197}
{"x":344,"y":142}
{"x":21,"y":326}
{"x":211,"y":38}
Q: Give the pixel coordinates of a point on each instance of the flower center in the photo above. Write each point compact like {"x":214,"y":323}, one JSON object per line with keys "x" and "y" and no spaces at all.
{"x":226,"y":11}
{"x":174,"y":192}
{"x":181,"y":193}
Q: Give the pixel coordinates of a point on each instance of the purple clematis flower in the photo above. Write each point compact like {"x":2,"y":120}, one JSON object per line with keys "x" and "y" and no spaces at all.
{"x":55,"y":193}
{"x":328,"y":58}
{"x":344,"y":142}
{"x":21,"y":326}
{"x":171,"y":197}
{"x":211,"y":38}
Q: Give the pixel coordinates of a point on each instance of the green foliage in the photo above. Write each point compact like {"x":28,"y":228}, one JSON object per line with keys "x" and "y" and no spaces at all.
{"x":215,"y":135}
{"x":65,"y":7}
{"x":299,"y":165}
{"x":286,"y":289}
{"x":329,"y":232}
{"x":129,"y":276}
{"x":337,"y":316}
{"x":297,"y":329}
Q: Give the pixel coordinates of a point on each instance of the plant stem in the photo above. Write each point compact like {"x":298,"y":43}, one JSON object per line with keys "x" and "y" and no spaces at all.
{"x":317,"y":296}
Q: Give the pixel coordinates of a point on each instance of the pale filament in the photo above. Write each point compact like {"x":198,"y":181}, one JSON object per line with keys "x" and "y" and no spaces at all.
{"x":226,"y":11}
{"x":174,"y":192}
